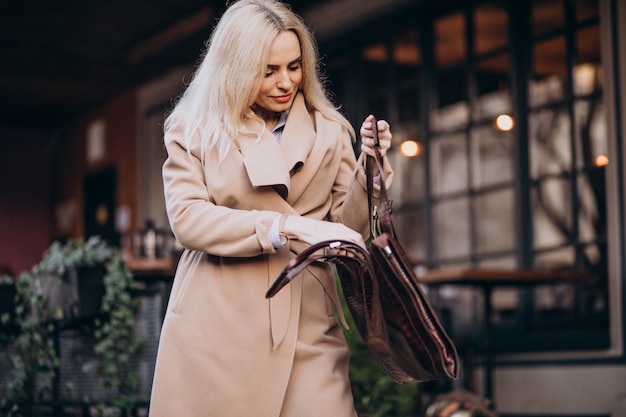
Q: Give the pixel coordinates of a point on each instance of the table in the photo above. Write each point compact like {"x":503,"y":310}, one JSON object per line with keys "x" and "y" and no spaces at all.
{"x":487,"y":279}
{"x":155,"y":275}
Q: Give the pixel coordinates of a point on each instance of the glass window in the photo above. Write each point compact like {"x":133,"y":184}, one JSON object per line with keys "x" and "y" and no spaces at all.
{"x":450,"y":40}
{"x":491,"y":27}
{"x":409,"y":227}
{"x":459,"y":201}
{"x":408,"y":178}
{"x":549,"y":71}
{"x":552,"y":213}
{"x":591,"y":135}
{"x":495,"y":221}
{"x":493,"y":87}
{"x":591,"y":207}
{"x":448,"y":162}
{"x":375,"y":64}
{"x":491,"y":156}
{"x":547,"y":16}
{"x":550,"y":145}
{"x":406,"y":58}
{"x":452,"y":225}
{"x":586,"y":9}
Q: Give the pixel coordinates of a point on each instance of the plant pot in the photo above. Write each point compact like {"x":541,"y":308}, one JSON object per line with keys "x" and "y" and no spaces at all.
{"x":8,"y":291}
{"x":90,"y":290}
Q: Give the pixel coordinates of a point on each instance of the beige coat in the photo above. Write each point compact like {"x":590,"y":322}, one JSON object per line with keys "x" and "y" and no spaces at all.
{"x":225,"y":350}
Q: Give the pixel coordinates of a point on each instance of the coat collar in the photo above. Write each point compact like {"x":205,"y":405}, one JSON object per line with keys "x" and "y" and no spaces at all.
{"x":269,"y":163}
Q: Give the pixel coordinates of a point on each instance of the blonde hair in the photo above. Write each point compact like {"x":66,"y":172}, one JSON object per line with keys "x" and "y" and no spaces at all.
{"x":218,"y":100}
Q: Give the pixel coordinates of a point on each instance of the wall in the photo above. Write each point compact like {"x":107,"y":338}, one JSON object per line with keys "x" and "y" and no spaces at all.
{"x":105,"y":138}
{"x":24,"y":198}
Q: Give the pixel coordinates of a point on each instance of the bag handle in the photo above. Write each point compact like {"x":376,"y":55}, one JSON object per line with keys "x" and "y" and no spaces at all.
{"x":380,"y":216}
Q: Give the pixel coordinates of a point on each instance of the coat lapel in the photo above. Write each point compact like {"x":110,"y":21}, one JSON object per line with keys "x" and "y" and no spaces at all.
{"x":269,"y":163}
{"x":298,"y":136}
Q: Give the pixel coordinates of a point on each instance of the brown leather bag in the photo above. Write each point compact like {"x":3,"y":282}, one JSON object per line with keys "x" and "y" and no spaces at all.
{"x":391,"y":312}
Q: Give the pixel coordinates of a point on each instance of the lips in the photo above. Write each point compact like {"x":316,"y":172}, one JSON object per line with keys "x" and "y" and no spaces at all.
{"x":282,"y":99}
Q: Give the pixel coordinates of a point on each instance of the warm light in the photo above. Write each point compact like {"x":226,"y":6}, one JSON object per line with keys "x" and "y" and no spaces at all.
{"x":602,"y":160}
{"x":410,"y":148}
{"x":504,"y":122}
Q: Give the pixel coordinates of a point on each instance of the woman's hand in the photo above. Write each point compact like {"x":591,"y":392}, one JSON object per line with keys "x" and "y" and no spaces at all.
{"x":312,"y":231}
{"x":367,"y":136}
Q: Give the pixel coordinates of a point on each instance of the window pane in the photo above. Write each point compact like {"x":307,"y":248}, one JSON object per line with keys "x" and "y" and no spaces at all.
{"x":409,"y":226}
{"x":451,"y":228}
{"x":546,"y":16}
{"x":495,"y":221}
{"x":586,"y":79}
{"x":406,"y":56}
{"x":448,"y":162}
{"x":453,"y":111}
{"x":588,"y":45}
{"x":556,"y":259}
{"x":408,"y":178}
{"x":586,"y":9}
{"x":491,"y":27}
{"x":375,"y":58}
{"x":551,"y":213}
{"x":492,"y":156}
{"x":591,"y":135}
{"x":336,"y":69}
{"x":493,"y":82}
{"x":406,"y":50}
{"x":591,"y":206}
{"x":450,"y":40}
{"x":549,"y":72}
{"x":550,"y":145}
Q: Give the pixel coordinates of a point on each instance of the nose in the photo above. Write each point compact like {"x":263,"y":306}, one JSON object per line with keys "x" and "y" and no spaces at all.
{"x":284,"y":82}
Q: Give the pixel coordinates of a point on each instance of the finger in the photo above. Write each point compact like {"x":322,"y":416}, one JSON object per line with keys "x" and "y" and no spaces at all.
{"x":383,"y":126}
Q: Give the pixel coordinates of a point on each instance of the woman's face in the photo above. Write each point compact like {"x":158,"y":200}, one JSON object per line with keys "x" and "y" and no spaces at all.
{"x":283,"y":75}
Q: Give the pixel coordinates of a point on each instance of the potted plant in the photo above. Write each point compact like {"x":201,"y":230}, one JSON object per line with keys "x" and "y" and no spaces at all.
{"x":35,"y":358}
{"x":32,"y":357}
{"x":8,"y":293}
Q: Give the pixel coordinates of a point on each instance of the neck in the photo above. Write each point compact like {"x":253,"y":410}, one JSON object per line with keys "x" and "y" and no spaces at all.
{"x":269,"y":117}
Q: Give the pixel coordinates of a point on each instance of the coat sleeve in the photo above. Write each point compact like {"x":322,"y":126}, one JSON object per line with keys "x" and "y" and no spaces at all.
{"x":197,"y":222}
{"x":350,"y":189}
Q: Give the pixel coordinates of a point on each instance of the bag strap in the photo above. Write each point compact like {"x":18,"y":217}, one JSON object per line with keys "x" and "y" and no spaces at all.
{"x":380,"y":216}
{"x":326,"y":251}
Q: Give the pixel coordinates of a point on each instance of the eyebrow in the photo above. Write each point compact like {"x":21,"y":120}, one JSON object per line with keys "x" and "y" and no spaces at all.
{"x":295,"y":61}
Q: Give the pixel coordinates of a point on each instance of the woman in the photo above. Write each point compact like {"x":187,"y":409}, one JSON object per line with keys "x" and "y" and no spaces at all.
{"x":260,"y":165}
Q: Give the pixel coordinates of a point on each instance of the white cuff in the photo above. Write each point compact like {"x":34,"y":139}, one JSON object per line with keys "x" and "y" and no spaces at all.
{"x":276,"y":238}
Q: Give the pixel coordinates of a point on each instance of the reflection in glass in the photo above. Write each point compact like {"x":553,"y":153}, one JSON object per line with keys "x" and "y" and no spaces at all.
{"x":493,"y":85}
{"x":586,"y":9}
{"x":375,"y":58}
{"x":406,"y":48}
{"x":453,"y":111}
{"x":495,"y":221}
{"x":451,"y":221}
{"x":408,"y":179}
{"x":591,"y":207}
{"x":586,"y":80}
{"x":591,"y":134}
{"x":550,"y":145}
{"x":448,"y":162}
{"x":409,"y":226}
{"x":491,"y":27}
{"x":491,"y":156}
{"x":551,"y":212}
{"x":450,"y":40}
{"x":587,"y":44}
{"x":406,"y":56}
{"x":549,"y":71}
{"x":546,"y":16}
